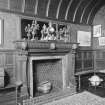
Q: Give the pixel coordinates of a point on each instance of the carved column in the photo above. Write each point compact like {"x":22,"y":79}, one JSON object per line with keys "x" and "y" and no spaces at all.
{"x":71,"y":69}
{"x":21,"y":73}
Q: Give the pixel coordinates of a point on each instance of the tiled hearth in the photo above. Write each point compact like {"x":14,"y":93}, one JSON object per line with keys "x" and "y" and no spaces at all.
{"x":40,"y":62}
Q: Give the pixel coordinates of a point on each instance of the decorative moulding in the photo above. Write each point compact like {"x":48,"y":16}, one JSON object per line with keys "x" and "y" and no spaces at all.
{"x":1,"y":31}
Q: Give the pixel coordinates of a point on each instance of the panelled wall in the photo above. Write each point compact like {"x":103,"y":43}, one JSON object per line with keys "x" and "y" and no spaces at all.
{"x":84,"y":60}
{"x":99,"y":59}
{"x":88,"y":60}
{"x":7,"y":61}
{"x":12,"y":32}
{"x":99,"y":50}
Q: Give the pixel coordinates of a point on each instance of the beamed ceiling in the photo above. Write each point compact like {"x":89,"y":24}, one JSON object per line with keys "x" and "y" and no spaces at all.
{"x":74,"y":11}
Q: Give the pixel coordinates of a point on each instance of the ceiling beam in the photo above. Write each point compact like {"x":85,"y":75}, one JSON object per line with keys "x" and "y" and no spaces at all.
{"x":36,"y":6}
{"x":59,"y":5}
{"x":67,"y":10}
{"x":97,"y":3}
{"x":47,"y":10}
{"x":85,"y":10}
{"x":23,"y":6}
{"x":77,"y":9}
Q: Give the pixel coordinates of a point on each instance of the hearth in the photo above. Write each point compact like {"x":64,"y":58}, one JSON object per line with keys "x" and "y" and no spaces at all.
{"x":47,"y":72}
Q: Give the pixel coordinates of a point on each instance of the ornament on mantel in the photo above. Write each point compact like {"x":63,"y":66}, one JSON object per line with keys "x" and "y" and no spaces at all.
{"x":32,"y":30}
{"x":48,"y":33}
{"x":64,"y":33}
{"x":28,"y":31}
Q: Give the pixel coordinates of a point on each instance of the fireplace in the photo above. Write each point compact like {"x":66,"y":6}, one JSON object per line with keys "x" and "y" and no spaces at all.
{"x":41,"y":66}
{"x":47,"y":68}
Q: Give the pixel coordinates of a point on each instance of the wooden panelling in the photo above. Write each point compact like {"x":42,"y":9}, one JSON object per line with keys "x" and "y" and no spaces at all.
{"x":93,"y":60}
{"x":7,"y":98}
{"x":16,"y":5}
{"x":2,"y":59}
{"x":10,"y":76}
{"x":53,"y":8}
{"x":78,"y":65}
{"x":100,"y":64}
{"x":4,"y":4}
{"x":88,"y":64}
{"x":80,"y":10}
{"x":99,"y":59}
{"x":75,"y":11}
{"x":72,"y":9}
{"x":7,"y":61}
{"x":8,"y":93}
{"x":63,"y":8}
{"x":30,"y":6}
{"x":88,"y":9}
{"x":84,"y":61}
{"x":42,"y":7}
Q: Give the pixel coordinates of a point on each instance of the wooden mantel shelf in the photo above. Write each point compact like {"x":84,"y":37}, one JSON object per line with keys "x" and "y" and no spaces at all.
{"x":44,"y":46}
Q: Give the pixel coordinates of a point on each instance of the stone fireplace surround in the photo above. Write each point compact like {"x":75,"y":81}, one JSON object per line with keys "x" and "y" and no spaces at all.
{"x":33,"y":51}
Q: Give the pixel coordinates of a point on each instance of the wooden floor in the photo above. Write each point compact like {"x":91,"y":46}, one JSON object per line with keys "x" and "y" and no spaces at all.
{"x":7,"y":97}
{"x":83,"y":98}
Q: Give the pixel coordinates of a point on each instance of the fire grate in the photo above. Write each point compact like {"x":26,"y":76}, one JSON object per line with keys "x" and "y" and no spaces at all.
{"x":47,"y":70}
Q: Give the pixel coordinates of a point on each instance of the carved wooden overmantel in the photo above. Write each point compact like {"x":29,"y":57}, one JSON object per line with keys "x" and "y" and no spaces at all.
{"x":28,"y":50}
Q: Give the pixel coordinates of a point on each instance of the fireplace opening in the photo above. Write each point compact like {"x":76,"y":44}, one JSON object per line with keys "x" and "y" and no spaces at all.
{"x":47,"y":76}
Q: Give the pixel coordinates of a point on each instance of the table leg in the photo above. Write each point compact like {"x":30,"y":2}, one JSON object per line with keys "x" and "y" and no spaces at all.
{"x":79,"y":80}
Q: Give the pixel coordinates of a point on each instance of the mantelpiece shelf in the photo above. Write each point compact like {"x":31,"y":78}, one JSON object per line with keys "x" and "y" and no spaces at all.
{"x":44,"y":46}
